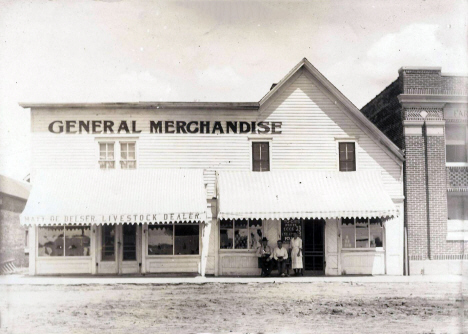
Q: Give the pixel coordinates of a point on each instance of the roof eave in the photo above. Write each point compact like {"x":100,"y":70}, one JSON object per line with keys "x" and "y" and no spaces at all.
{"x":146,"y":105}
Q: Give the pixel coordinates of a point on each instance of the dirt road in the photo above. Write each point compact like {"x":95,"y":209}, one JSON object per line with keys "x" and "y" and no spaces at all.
{"x":245,"y":308}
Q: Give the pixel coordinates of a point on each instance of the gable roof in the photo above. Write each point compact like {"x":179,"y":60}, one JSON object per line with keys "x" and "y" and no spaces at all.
{"x":346,"y":105}
{"x":13,"y":187}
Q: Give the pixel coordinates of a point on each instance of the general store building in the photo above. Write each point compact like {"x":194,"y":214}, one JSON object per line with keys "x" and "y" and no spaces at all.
{"x":425,"y":112}
{"x":173,"y":187}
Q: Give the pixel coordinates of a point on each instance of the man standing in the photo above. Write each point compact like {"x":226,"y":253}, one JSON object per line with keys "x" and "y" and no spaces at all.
{"x":281,"y":255}
{"x":264,"y":254}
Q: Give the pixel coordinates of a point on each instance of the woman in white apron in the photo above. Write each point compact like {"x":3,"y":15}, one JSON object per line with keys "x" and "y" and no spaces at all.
{"x":296,"y":254}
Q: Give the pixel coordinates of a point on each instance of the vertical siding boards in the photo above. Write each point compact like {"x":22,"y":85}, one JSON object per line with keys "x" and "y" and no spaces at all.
{"x":311,"y":122}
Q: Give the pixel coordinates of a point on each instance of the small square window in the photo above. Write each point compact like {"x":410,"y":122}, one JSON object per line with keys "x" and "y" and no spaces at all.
{"x":106,"y":155}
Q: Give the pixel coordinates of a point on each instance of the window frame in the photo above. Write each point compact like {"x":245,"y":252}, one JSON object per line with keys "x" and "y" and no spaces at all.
{"x":117,"y":141}
{"x":353,"y":140}
{"x":233,"y":249}
{"x":120,"y":153}
{"x":456,"y":164}
{"x":107,"y":142}
{"x":346,"y":141}
{"x":46,"y":258}
{"x":173,"y":240}
{"x":356,"y":249}
{"x":262,"y":139}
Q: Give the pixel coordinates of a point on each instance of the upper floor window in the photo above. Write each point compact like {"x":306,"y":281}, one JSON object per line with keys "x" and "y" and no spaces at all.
{"x":110,"y":152}
{"x":127,"y":155}
{"x":456,"y":143}
{"x":260,"y":156}
{"x":347,"y":156}
{"x":106,"y":155}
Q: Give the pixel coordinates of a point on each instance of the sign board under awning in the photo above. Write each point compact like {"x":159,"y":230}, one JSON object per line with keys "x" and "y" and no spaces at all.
{"x":115,"y":197}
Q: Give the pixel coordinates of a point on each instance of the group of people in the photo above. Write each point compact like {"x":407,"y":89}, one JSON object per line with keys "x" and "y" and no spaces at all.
{"x":280,"y":256}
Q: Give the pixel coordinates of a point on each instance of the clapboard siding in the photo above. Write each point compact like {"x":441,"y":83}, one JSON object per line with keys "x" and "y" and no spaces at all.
{"x":311,"y":122}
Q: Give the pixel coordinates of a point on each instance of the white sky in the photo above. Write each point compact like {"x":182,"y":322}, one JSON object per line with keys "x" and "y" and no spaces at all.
{"x":100,"y":51}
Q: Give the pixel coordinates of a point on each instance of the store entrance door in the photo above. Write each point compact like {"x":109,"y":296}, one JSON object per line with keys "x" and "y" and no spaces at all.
{"x":313,"y":239}
{"x":118,"y":246}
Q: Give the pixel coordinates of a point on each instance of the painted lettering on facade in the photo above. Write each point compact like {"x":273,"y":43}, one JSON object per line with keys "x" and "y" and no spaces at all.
{"x":166,"y":127}
{"x":113,"y":219}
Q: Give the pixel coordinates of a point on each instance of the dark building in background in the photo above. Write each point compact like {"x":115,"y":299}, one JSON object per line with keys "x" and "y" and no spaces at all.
{"x":13,"y":236}
{"x":424,"y":112}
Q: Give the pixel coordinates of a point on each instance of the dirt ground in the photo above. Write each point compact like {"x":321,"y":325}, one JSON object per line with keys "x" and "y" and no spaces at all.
{"x":319,"y":307}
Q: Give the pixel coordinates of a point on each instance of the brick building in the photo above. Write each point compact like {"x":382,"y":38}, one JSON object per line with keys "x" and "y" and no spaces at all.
{"x":424,"y":112}
{"x":13,"y":236}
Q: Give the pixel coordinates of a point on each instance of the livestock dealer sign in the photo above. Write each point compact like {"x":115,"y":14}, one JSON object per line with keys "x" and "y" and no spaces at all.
{"x":169,"y":127}
{"x":113,"y":219}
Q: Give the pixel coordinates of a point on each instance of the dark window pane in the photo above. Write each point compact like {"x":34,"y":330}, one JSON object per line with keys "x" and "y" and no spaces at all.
{"x":347,"y":157}
{"x":241,"y":234}
{"x":255,"y":230}
{"x":362,"y":233}
{"x":160,"y":240}
{"x":260,"y":157}
{"x":129,"y":242}
{"x":186,"y":239}
{"x":77,"y":240}
{"x":108,"y":243}
{"x":456,"y":153}
{"x":50,"y":241}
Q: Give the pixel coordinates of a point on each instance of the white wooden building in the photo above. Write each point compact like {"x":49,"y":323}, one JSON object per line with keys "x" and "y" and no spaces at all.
{"x":172,"y":187}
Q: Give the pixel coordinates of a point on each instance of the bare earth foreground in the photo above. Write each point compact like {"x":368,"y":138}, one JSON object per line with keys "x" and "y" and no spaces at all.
{"x":319,"y":307}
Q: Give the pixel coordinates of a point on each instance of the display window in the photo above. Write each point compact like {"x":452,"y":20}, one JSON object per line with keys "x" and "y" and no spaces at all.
{"x":174,"y":239}
{"x":361,"y":233}
{"x":71,"y":240}
{"x":240,"y":234}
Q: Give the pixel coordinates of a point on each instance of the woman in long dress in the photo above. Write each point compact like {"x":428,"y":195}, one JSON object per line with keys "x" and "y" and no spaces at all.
{"x":296,"y":254}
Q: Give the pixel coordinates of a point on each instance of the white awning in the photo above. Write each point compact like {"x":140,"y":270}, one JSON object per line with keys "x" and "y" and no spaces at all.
{"x":115,"y":197}
{"x":284,"y":194}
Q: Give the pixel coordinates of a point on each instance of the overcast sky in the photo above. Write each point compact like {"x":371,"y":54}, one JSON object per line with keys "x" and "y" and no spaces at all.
{"x":93,"y":51}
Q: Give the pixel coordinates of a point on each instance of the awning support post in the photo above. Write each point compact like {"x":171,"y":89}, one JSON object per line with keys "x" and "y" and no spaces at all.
{"x":205,"y":246}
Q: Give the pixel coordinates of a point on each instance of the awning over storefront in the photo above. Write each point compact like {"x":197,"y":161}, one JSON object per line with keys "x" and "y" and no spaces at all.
{"x":116,"y":197}
{"x":287,"y":194}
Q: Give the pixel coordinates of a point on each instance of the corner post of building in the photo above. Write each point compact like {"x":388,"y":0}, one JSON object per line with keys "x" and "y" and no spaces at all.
{"x":415,"y":183}
{"x":32,"y":249}
{"x":436,"y":182}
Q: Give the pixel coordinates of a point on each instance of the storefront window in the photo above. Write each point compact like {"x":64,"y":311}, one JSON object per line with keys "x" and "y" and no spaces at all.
{"x":160,"y":240}
{"x":226,"y":234}
{"x":256,"y":233}
{"x":240,"y":234}
{"x":64,"y":241}
{"x":174,"y":239}
{"x":50,"y":241}
{"x":361,"y":233}
{"x":347,"y":233}
{"x":186,"y":239}
{"x":77,"y":240}
{"x":375,"y":233}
